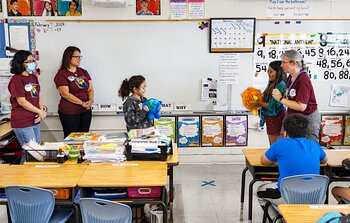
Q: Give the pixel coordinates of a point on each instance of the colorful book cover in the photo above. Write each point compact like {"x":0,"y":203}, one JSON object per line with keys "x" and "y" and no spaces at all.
{"x":19,"y":8}
{"x":347,"y":131}
{"x":143,"y":133}
{"x":81,"y":137}
{"x":331,"y":130}
{"x":188,"y":131}
{"x":236,"y":130}
{"x":212,"y":130}
{"x":166,"y":126}
{"x":69,"y":7}
{"x":43,"y":8}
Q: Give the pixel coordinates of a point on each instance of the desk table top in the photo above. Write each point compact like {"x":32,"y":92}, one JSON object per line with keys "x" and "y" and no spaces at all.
{"x":5,"y":129}
{"x":335,"y":157}
{"x":44,"y":176}
{"x":253,"y":156}
{"x":126,"y":174}
{"x":309,"y":213}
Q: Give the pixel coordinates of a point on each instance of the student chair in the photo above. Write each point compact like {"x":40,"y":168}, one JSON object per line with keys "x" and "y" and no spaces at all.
{"x":301,"y":189}
{"x":94,"y":210}
{"x":33,"y":205}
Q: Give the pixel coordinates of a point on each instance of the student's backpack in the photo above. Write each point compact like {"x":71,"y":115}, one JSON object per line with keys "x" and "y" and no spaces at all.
{"x":335,"y":217}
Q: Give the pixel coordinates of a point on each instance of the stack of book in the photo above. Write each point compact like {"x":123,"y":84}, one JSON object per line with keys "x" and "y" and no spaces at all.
{"x":81,"y":137}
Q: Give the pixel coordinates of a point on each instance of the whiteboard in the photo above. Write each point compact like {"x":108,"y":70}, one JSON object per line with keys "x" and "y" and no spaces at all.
{"x":173,"y":56}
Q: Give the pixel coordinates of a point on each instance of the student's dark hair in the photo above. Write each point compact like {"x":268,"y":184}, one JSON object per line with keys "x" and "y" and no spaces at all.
{"x":128,"y":85}
{"x":52,"y":12}
{"x":281,"y":76}
{"x":76,"y":3}
{"x":67,"y":56}
{"x":296,"y":125}
{"x":13,"y":1}
{"x":17,"y":63}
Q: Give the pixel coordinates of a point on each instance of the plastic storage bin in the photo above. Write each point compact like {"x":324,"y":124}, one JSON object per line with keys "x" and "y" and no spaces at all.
{"x":143,"y":192}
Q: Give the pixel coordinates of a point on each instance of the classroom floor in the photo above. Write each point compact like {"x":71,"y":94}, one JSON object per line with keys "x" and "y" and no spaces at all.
{"x":212,"y":204}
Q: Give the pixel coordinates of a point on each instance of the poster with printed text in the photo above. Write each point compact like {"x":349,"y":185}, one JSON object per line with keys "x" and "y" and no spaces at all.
{"x":236,"y":130}
{"x":331,"y":130}
{"x":289,"y":9}
{"x":18,"y":8}
{"x":327,"y":55}
{"x":166,"y":126}
{"x":69,"y":7}
{"x":196,"y":9}
{"x":212,"y":130}
{"x":178,"y":9}
{"x":347,"y":131}
{"x":188,"y":131}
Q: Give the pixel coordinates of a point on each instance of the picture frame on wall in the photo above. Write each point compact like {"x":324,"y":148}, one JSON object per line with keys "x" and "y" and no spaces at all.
{"x":236,"y":130}
{"x":212,"y":133}
{"x":232,"y":35}
{"x":188,"y":131}
{"x":332,"y":132}
{"x":148,"y":7}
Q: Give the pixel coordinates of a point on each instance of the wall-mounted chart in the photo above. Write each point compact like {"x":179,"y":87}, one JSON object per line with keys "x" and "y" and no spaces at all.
{"x":232,"y":35}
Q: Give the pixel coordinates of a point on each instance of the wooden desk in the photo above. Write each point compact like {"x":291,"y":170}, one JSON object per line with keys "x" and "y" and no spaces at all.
{"x":335,"y":157}
{"x":5,"y":130}
{"x":44,"y":176}
{"x":306,"y":213}
{"x":259,"y":172}
{"x":128,"y":174}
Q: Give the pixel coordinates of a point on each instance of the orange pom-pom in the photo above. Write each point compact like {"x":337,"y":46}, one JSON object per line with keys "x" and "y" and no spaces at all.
{"x":249,"y":95}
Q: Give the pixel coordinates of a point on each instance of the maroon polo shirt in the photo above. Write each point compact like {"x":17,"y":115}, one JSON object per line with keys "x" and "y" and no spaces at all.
{"x":78,"y":84}
{"x":29,"y":88}
{"x":304,"y":93}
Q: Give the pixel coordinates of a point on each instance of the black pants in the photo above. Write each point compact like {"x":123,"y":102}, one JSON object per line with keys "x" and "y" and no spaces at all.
{"x":75,"y":123}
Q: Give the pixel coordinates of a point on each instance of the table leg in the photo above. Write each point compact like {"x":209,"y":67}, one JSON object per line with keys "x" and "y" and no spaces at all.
{"x":171,"y":183}
{"x":242,"y":192}
{"x":250,"y":203}
{"x":165,"y":212}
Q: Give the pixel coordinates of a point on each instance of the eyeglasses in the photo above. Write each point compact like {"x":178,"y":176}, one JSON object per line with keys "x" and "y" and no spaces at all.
{"x":286,"y":61}
{"x":78,"y":57}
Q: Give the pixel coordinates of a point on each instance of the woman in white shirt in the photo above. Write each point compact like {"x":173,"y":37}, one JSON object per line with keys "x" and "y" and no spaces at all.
{"x":48,"y":9}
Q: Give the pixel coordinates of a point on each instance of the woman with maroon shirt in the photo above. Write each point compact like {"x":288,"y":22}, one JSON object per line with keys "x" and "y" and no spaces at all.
{"x":26,"y":100}
{"x":77,"y":94}
{"x":300,"y":96}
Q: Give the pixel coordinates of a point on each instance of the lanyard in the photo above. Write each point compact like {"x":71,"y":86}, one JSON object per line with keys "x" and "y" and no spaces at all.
{"x":291,"y":85}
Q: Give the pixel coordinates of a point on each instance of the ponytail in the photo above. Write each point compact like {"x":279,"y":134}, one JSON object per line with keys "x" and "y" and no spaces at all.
{"x":124,"y":89}
{"x":129,"y":85}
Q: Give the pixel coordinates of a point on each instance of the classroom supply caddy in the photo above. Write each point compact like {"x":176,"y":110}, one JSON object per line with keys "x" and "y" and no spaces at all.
{"x":144,"y":192}
{"x":157,"y":148}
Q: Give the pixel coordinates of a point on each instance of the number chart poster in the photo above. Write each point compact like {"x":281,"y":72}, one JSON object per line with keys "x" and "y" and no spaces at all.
{"x":327,"y":55}
{"x":166,"y":126}
{"x":347,"y":131}
{"x":212,"y":131}
{"x":188,"y":131}
{"x":331,"y":130}
{"x":236,"y":130}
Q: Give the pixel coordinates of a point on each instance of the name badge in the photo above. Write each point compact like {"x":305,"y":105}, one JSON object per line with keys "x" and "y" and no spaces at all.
{"x":71,"y":78}
{"x":292,"y":93}
{"x":28,"y":87}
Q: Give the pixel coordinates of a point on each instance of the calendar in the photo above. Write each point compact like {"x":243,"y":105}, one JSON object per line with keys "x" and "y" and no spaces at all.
{"x":232,"y":35}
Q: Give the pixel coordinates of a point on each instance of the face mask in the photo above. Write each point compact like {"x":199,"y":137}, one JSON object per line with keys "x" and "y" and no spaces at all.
{"x":31,"y":67}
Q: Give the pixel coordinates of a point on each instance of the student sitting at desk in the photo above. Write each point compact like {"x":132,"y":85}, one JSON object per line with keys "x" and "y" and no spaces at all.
{"x":295,"y":155}
{"x":135,"y":114}
{"x":26,"y":100}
